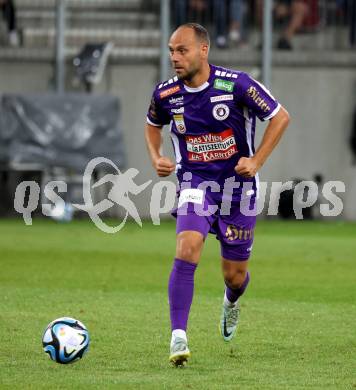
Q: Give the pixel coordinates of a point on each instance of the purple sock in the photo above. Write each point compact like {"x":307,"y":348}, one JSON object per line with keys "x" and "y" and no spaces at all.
{"x":180,"y":292}
{"x":234,"y":295}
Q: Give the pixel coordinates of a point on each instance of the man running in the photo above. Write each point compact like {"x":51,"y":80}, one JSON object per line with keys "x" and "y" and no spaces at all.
{"x":212,"y":113}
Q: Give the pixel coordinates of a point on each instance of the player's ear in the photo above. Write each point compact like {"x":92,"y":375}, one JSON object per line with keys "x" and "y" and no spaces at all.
{"x":204,"y":50}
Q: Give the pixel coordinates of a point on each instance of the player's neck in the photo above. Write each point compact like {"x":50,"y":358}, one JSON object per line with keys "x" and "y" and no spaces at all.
{"x":200,"y":78}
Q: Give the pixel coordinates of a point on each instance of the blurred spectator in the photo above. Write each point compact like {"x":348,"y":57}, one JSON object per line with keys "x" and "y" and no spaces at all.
{"x":191,"y":11}
{"x":227,"y":23}
{"x":226,"y":15}
{"x":9,"y":14}
{"x":198,"y":10}
{"x":353,"y":23}
{"x":348,"y":9}
{"x":180,"y":12}
{"x":236,"y":19}
{"x":295,"y":11}
{"x":292,"y":12}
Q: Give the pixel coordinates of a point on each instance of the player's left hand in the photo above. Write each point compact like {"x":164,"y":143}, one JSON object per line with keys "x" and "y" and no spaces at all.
{"x":247,"y":167}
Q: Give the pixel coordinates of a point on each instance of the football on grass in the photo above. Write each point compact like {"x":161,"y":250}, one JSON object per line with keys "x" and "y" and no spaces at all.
{"x":65,"y":340}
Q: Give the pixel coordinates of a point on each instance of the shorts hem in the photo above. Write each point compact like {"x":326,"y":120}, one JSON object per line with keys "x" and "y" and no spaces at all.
{"x":234,"y":257}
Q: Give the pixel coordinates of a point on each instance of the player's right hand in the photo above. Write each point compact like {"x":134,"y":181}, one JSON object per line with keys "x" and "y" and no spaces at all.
{"x":164,"y":166}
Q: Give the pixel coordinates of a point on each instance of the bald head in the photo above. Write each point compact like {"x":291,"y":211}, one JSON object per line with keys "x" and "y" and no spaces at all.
{"x":189,"y":49}
{"x":201,"y":33}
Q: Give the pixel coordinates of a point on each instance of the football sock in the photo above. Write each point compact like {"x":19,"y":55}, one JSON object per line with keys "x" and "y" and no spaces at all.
{"x":180,"y":292}
{"x":231,"y":296}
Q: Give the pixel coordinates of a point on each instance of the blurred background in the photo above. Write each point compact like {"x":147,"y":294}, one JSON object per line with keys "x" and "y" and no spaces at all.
{"x":76,"y":78}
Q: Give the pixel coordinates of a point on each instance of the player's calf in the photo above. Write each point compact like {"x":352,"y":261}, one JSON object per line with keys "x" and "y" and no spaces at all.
{"x":235,"y":287}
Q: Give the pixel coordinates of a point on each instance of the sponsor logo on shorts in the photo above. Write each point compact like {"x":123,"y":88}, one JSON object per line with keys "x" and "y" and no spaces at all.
{"x":221,"y":112}
{"x":169,"y":91}
{"x":211,"y":146}
{"x":221,"y":98}
{"x":255,"y":96}
{"x":237,"y":233}
{"x":224,"y":85}
{"x":193,"y":195}
{"x":179,"y":122}
{"x":177,"y":110}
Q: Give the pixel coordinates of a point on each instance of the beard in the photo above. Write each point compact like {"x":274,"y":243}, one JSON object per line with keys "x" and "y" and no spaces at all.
{"x":188,"y":76}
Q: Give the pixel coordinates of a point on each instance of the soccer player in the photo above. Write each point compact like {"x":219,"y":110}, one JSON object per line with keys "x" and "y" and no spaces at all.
{"x":212,"y":113}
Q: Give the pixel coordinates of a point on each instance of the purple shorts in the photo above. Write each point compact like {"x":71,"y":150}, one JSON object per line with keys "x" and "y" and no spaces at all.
{"x":235,"y":231}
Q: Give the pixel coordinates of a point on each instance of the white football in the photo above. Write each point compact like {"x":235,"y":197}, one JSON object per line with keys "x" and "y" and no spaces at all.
{"x":65,"y":340}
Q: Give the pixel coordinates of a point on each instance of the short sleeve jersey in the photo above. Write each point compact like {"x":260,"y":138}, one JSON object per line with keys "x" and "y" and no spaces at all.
{"x":212,"y":126}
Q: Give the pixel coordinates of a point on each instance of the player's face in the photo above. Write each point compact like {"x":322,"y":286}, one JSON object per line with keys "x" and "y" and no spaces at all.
{"x":187,"y":53}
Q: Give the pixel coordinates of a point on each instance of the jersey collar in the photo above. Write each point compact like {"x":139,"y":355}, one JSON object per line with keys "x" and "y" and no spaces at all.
{"x":196,"y":89}
{"x":201,"y":87}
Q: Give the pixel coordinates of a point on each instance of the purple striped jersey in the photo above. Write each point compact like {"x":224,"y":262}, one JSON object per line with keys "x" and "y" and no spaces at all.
{"x":213,"y":125}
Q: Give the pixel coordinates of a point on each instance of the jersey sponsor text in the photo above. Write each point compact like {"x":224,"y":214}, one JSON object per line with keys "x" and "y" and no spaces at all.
{"x":211,"y":146}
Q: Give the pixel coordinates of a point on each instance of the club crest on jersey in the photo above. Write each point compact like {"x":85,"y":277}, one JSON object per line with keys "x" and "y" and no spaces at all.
{"x":179,"y":122}
{"x":221,"y":112}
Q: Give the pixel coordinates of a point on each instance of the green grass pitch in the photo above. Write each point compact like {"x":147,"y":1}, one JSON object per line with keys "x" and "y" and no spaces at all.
{"x":298,"y":319}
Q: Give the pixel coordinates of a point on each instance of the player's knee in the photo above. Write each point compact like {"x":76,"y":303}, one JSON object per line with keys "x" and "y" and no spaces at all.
{"x":235,"y":279}
{"x":189,"y":247}
{"x":187,"y":250}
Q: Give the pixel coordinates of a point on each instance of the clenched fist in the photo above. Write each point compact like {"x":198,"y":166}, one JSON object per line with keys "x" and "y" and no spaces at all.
{"x":247,"y":167}
{"x":164,"y":166}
